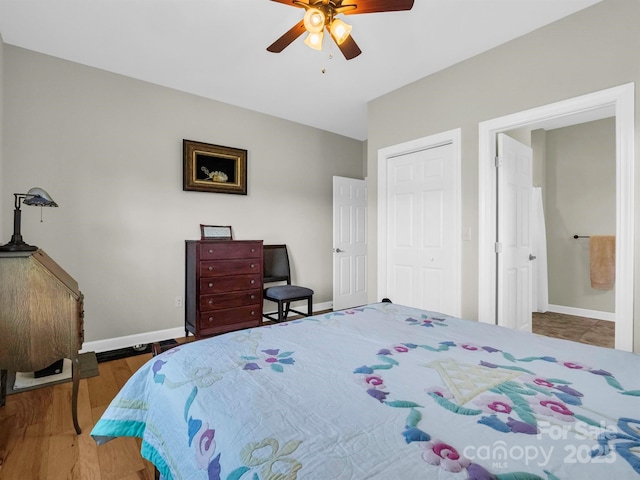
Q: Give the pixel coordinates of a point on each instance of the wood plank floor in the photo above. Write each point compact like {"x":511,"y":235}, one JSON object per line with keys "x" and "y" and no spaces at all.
{"x":38,"y":442}
{"x":578,"y":329}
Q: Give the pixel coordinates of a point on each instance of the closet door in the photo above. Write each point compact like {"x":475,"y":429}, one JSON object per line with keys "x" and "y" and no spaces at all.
{"x":421,"y":230}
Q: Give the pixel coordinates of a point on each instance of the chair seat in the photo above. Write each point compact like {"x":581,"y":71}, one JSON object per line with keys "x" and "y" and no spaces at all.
{"x":284,"y":292}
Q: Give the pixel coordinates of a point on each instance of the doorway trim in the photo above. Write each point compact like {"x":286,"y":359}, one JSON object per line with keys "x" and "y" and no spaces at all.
{"x":622,"y":100}
{"x":453,"y":137}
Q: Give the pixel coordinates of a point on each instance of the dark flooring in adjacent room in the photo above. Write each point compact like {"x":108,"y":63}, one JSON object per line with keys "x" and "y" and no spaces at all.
{"x":578,"y":329}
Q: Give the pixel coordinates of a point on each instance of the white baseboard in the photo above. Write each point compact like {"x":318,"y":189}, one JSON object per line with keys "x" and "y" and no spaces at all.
{"x":582,"y":312}
{"x":317,"y":307}
{"x":323,"y":306}
{"x":131,"y":340}
{"x":150,"y":337}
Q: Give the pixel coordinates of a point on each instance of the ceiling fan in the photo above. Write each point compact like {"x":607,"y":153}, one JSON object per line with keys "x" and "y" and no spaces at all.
{"x":321,"y":14}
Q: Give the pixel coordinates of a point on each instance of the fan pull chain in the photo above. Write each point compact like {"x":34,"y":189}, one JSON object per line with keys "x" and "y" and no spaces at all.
{"x":330,"y":49}
{"x":324,"y":70}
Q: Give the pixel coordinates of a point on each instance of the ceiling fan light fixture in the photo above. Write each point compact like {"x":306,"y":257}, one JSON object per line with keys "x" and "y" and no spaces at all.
{"x":314,"y":20}
{"x":321,"y":14}
{"x":314,"y":40}
{"x":340,"y":31}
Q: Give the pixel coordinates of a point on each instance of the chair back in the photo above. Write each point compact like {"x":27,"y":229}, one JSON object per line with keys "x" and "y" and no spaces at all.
{"x":276,"y":264}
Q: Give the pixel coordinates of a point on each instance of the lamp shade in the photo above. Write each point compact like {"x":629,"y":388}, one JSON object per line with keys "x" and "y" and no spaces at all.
{"x":314,"y":20}
{"x":314,"y":40}
{"x":39,"y":197}
{"x":340,"y":30}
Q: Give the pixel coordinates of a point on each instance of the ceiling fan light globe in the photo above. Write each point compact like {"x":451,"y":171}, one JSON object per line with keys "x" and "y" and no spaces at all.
{"x":340,"y":30}
{"x":314,"y":20}
{"x":314,"y":40}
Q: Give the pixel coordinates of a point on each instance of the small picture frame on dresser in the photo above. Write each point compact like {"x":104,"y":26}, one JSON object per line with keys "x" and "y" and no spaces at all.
{"x":215,"y":232}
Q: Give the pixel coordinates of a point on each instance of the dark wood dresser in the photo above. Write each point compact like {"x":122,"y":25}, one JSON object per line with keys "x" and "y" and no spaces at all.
{"x":223,"y":286}
{"x":41,"y":317}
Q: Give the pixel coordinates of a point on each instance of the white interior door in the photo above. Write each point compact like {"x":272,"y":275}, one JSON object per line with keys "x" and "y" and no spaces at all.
{"x":513,"y":247}
{"x":349,"y":242}
{"x":422,"y":230}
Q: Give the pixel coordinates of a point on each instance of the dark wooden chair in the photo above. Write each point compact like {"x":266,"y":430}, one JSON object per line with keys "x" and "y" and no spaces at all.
{"x":276,"y":269}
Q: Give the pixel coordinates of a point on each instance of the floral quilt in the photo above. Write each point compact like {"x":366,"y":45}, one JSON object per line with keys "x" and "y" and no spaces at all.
{"x":386,"y":392}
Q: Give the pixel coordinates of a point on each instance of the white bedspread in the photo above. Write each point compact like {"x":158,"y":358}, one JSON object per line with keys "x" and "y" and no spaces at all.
{"x":385,"y":392}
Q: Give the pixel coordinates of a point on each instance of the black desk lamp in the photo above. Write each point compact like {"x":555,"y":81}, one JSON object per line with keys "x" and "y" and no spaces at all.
{"x":35,"y":196}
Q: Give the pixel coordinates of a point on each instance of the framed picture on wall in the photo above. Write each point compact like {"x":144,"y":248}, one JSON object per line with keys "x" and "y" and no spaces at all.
{"x":214,"y":168}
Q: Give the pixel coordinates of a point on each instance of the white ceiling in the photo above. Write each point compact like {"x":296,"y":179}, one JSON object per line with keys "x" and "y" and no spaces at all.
{"x":217,"y":48}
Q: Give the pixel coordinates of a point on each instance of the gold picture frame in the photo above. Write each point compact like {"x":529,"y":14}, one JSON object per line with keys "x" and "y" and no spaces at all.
{"x":214,"y":168}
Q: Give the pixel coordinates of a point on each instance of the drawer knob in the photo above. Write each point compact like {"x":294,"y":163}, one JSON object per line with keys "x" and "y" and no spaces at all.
{"x":253,"y":250}
{"x":210,"y":319}
{"x":210,"y":302}
{"x":210,"y":251}
{"x":252,"y":297}
{"x":211,"y":285}
{"x":253,"y":312}
{"x":252,"y":282}
{"x":253,"y":265}
{"x":210,"y":269}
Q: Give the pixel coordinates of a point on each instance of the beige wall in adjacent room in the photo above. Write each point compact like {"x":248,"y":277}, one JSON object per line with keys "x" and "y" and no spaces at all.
{"x":539,"y":146}
{"x":580,"y":199}
{"x":591,"y":50}
{"x":109,"y":150}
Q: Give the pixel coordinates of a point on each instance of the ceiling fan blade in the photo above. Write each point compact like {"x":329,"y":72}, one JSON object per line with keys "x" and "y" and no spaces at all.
{"x":344,"y":8}
{"x":374,"y":6}
{"x":290,"y":2}
{"x":285,"y":40}
{"x":349,"y":48}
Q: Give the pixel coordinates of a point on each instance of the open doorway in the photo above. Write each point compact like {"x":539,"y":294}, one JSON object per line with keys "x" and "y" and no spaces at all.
{"x":574,"y":187}
{"x":617,"y":101}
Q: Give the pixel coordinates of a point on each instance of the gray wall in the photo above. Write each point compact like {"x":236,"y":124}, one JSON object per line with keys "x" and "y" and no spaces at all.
{"x":580,"y":199}
{"x":109,"y":151}
{"x":594,"y":49}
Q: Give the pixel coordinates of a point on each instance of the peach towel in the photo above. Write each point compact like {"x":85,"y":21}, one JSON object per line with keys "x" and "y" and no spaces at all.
{"x":602,"y":252}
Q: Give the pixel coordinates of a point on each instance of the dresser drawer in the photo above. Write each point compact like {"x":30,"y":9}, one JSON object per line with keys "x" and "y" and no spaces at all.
{"x":229,"y":283}
{"x":230,"y":267}
{"x":216,"y":320}
{"x":231,"y":299}
{"x":229,"y":250}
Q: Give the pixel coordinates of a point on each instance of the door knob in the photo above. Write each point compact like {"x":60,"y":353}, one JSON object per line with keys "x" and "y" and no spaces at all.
{"x":337,"y":250}
{"x":532,"y":257}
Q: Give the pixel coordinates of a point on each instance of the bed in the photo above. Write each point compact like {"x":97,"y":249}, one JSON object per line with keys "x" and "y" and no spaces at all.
{"x":383,"y":391}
